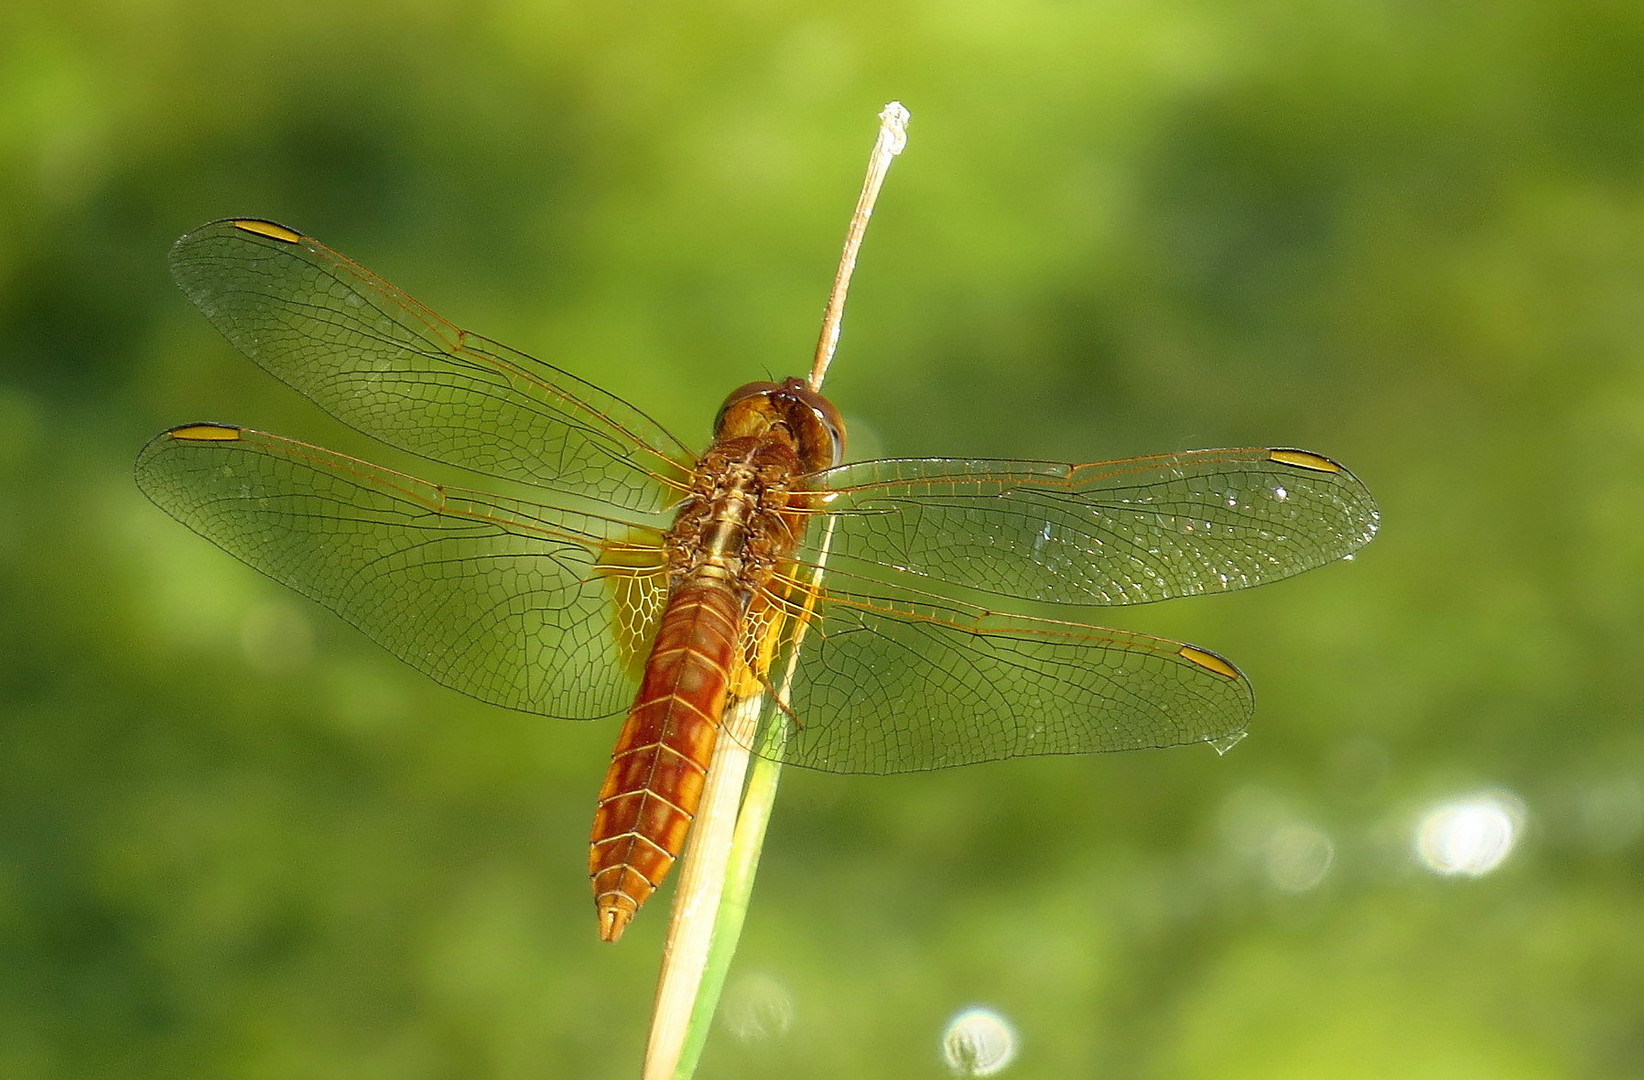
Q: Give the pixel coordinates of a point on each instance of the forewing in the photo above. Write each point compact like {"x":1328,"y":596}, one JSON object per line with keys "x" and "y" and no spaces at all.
{"x":513,"y":603}
{"x":383,"y":363}
{"x":891,"y":684}
{"x":1118,"y":532}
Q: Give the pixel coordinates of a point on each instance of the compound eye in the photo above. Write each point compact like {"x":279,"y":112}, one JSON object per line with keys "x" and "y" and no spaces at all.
{"x":825,"y":423}
{"x":833,"y":424}
{"x":740,"y":395}
{"x":811,"y":421}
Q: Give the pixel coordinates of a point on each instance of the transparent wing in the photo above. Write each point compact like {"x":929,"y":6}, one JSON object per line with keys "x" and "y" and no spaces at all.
{"x":519,"y":605}
{"x":891,"y":683}
{"x":1117,"y":532}
{"x":383,"y":363}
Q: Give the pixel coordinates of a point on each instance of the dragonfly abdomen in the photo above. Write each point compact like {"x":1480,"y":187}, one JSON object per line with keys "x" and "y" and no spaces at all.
{"x":655,"y":781}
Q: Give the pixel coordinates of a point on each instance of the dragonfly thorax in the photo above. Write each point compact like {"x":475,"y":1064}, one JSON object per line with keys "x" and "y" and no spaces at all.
{"x":744,"y":515}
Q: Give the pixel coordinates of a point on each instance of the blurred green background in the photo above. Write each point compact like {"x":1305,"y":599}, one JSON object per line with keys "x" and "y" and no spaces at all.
{"x":236,"y":840}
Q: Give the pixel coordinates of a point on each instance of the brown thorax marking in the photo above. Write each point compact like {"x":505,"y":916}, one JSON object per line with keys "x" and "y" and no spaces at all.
{"x":734,"y":525}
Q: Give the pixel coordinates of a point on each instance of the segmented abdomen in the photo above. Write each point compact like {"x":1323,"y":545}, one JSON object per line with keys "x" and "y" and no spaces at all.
{"x":661,"y":758}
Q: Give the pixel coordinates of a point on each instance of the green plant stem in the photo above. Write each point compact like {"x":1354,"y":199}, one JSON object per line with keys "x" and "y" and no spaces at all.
{"x":749,"y":841}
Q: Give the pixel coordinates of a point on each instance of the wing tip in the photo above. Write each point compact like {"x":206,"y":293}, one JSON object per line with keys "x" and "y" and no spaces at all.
{"x":204,"y":432}
{"x":1210,"y":662}
{"x":273,"y":230}
{"x":1304,"y":459}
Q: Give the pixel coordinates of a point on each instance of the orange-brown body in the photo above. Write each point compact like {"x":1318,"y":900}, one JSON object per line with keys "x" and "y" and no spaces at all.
{"x":730,"y":538}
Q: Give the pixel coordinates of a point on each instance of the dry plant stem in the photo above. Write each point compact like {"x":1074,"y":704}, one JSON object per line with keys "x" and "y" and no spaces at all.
{"x":893,"y":136}
{"x":702,"y":927}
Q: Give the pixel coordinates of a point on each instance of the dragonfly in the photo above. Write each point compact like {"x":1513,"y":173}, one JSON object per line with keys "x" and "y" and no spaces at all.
{"x":644,"y":580}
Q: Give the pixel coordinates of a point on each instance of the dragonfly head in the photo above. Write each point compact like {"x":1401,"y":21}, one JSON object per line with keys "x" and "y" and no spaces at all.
{"x":790,"y":410}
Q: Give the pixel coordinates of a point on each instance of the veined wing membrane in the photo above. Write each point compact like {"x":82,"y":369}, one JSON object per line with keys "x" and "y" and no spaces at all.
{"x":507,"y":601}
{"x":383,"y":363}
{"x":1117,"y":532}
{"x":893,"y":682}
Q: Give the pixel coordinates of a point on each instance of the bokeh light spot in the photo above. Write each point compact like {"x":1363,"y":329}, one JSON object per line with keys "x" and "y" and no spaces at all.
{"x":1298,"y":856}
{"x":1469,"y":837}
{"x":978,"y":1042}
{"x":757,"y":1008}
